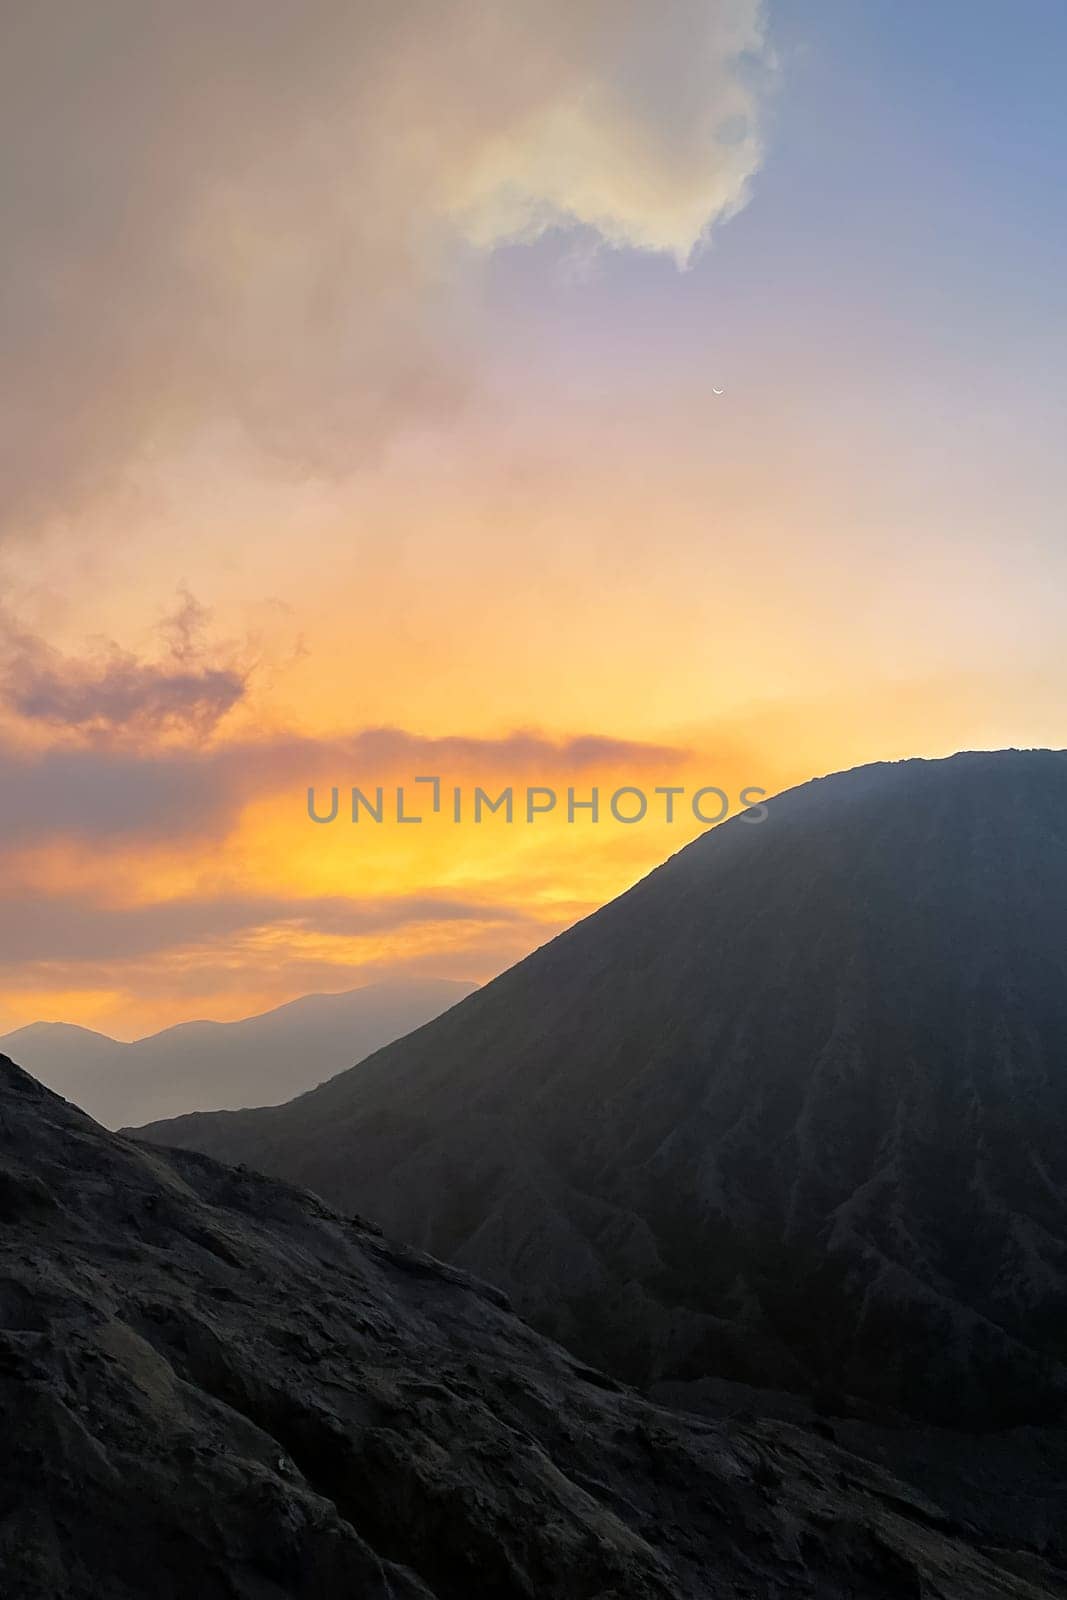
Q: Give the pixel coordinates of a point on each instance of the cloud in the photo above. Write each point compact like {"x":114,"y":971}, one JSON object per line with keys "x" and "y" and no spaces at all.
{"x":114,"y":695}
{"x":523,"y":751}
{"x":649,"y":145}
{"x":75,"y":928}
{"x":105,"y":793}
{"x":264,"y":217}
{"x":98,"y":795}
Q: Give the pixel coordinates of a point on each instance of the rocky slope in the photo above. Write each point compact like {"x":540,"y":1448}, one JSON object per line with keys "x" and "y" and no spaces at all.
{"x":211,"y":1385}
{"x":792,"y":1111}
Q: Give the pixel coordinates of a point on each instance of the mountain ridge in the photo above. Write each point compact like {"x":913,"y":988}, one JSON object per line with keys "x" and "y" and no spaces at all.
{"x":792,"y":1110}
{"x":275,"y":1052}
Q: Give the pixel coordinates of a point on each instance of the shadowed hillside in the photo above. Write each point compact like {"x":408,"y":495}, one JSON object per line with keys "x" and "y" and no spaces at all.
{"x":793,"y":1110}
{"x":213,"y":1386}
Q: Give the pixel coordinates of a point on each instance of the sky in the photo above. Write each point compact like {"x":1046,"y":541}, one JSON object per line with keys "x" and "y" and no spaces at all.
{"x":362,"y":420}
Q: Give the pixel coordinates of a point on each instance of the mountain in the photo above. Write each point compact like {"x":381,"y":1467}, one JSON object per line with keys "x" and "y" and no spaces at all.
{"x":220,"y":1065}
{"x":212,"y":1385}
{"x":792,"y":1111}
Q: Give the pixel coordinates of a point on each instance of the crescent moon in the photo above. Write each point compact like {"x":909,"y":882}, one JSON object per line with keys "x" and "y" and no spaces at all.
{"x":718,"y":391}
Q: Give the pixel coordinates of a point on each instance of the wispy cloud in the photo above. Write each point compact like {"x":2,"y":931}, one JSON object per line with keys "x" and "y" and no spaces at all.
{"x":66,"y":928}
{"x":99,"y":791}
{"x":114,"y":695}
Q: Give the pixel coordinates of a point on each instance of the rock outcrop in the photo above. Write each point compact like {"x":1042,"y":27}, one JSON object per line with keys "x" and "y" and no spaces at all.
{"x":213,"y":1385}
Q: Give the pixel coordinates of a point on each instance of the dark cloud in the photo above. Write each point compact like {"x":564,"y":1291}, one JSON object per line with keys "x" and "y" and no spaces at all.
{"x":109,"y":793}
{"x":113,"y":694}
{"x":520,"y":752}
{"x":73,"y":928}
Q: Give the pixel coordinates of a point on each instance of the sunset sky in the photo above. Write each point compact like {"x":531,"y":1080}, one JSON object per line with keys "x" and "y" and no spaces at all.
{"x":359,"y":422}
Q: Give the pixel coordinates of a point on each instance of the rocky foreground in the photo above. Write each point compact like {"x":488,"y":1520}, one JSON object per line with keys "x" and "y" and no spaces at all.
{"x":211,"y":1385}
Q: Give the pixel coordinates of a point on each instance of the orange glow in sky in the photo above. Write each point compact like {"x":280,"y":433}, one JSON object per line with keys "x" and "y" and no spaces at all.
{"x":568,"y":394}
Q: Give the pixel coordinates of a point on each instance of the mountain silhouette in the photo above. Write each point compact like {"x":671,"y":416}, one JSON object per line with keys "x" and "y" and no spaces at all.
{"x":791,"y":1111}
{"x":212,"y":1385}
{"x":218,"y":1065}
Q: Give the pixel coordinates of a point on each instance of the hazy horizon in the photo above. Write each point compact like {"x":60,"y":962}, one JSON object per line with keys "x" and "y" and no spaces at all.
{"x":281,"y":1005}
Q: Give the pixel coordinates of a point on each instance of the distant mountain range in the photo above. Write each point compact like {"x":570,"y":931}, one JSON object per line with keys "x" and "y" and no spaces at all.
{"x":792,"y":1111}
{"x":225,"y":1065}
